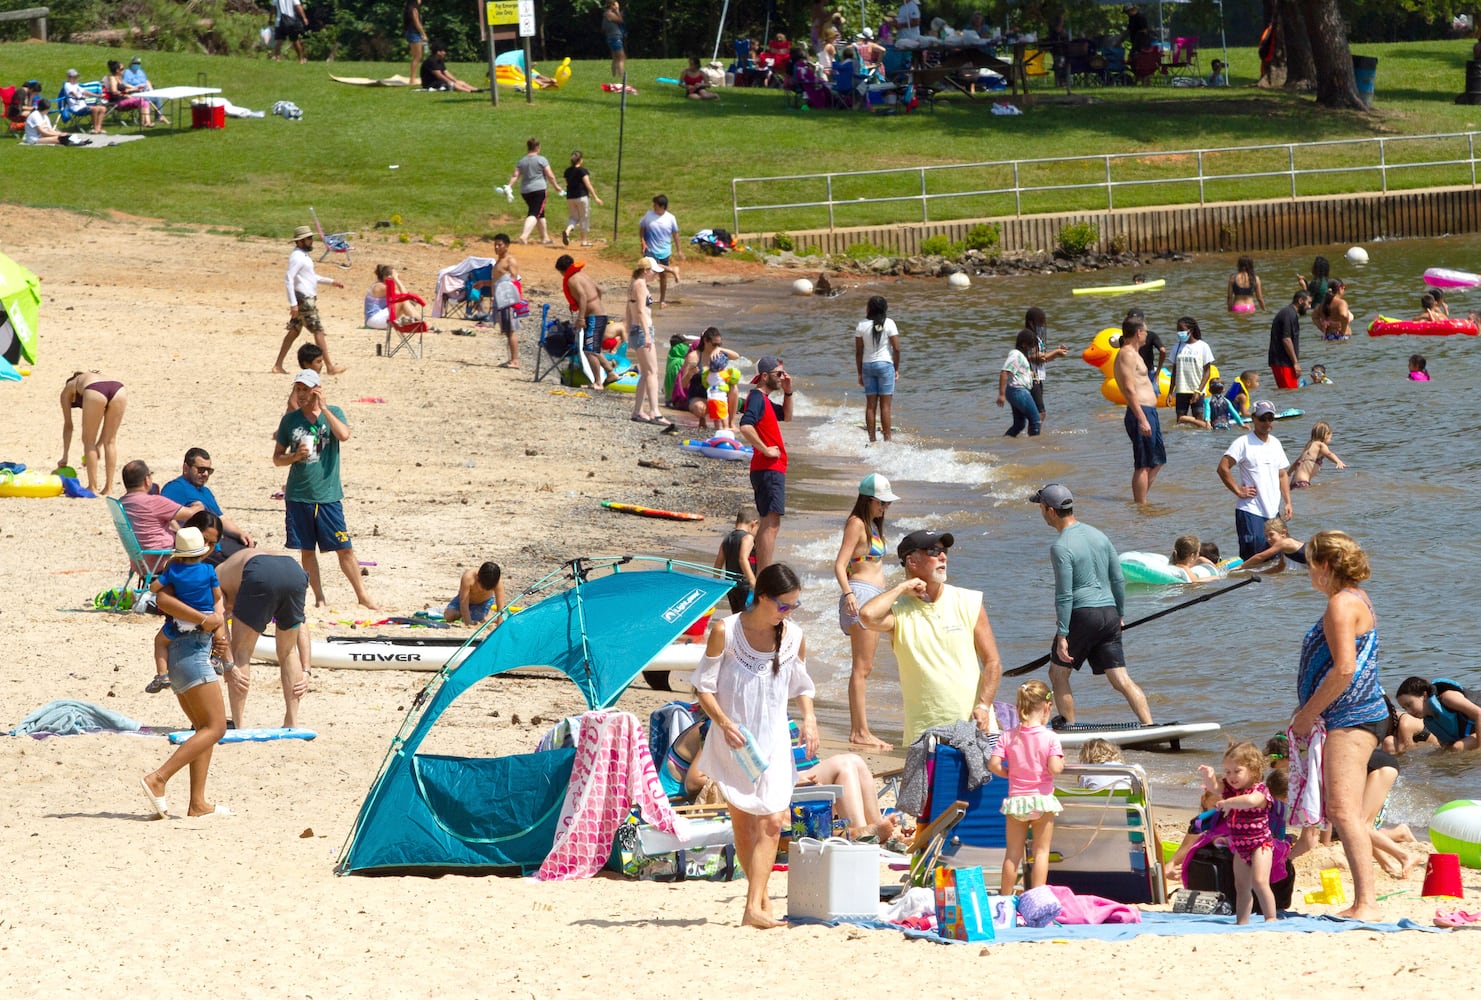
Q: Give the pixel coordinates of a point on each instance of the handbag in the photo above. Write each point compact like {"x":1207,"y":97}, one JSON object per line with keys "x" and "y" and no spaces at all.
{"x":963,"y":910}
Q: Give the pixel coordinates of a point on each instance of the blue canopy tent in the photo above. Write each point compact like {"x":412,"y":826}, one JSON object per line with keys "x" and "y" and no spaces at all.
{"x":597,"y":621}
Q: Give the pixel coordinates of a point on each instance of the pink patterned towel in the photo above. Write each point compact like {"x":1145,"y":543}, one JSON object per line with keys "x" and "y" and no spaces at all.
{"x":613,"y":772}
{"x":1306,"y":794}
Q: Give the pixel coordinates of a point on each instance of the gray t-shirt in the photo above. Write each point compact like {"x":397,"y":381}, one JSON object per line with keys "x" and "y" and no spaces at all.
{"x":531,"y":169}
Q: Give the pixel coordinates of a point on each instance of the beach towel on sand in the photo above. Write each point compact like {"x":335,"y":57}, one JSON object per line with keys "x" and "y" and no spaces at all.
{"x":69,"y":717}
{"x":613,"y":772}
{"x":1306,"y":776}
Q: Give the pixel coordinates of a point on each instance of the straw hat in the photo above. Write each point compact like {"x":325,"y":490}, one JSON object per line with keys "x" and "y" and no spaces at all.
{"x":189,"y":542}
{"x":303,"y":233}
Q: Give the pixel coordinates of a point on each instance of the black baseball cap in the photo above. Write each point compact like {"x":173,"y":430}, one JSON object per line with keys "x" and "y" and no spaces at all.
{"x":917,"y":540}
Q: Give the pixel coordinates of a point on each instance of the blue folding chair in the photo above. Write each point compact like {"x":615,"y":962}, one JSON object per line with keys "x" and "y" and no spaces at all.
{"x":146,"y":564}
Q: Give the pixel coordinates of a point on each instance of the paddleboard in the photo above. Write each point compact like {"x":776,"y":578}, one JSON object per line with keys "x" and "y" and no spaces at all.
{"x":1131,"y":734}
{"x":1287,"y":414}
{"x":249,"y":735}
{"x":632,"y":508}
{"x":428,"y":653}
{"x":1146,"y":286}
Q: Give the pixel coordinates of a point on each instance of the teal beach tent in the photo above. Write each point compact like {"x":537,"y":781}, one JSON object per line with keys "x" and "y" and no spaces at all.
{"x":20,"y":306}
{"x":598,"y":622}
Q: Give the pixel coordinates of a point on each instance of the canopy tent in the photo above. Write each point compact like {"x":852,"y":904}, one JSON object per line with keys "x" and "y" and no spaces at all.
{"x":428,"y":812}
{"x":20,"y":307}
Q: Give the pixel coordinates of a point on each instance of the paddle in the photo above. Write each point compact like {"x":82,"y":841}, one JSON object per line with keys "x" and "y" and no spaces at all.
{"x":1036,"y":664}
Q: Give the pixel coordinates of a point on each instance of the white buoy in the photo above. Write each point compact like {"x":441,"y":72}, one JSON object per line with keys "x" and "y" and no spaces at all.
{"x":802,"y":287}
{"x":1357,"y":255}
{"x":958,"y":279}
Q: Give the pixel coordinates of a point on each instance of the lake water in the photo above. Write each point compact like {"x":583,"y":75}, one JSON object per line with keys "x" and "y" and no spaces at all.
{"x":1413,"y":481}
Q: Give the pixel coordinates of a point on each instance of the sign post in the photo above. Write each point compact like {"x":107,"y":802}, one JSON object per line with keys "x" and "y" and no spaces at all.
{"x":498,"y":13}
{"x":526,"y":20}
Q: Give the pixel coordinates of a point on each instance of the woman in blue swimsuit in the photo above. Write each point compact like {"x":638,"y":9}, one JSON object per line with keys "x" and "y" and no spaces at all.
{"x":1337,"y":684}
{"x":859,"y":570}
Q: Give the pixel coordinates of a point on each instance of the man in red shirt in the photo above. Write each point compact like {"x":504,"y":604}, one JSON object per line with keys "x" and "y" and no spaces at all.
{"x":759,"y":428}
{"x":154,"y":518}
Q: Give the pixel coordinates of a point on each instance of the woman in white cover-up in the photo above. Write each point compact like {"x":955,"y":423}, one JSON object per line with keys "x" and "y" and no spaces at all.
{"x":754,"y":663}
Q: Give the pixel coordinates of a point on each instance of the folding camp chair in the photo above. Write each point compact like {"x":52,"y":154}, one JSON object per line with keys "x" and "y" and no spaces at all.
{"x":333,"y":242}
{"x":980,"y":837}
{"x":844,"y":93}
{"x":558,"y":343}
{"x":1146,"y":65}
{"x":403,"y":330}
{"x":144,"y":563}
{"x":478,"y":295}
{"x":1105,"y":843}
{"x":93,"y":91}
{"x":1184,"y":61}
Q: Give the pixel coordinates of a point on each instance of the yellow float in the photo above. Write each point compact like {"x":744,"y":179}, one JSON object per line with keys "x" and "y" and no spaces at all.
{"x":1101,"y":354}
{"x":30,"y":484}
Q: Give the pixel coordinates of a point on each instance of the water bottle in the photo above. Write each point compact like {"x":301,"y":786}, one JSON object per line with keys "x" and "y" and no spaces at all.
{"x":749,"y":756}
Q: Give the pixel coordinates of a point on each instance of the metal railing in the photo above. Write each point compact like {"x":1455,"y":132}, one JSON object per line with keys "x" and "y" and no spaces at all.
{"x":921,"y":177}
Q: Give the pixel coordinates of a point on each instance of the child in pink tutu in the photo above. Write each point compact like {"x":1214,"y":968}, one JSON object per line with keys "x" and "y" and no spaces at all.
{"x":1034,"y":756}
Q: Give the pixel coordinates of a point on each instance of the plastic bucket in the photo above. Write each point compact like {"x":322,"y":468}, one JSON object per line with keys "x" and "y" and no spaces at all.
{"x":1365,"y":71}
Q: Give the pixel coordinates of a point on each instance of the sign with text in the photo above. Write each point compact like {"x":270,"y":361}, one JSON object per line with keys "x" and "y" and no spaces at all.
{"x":502,"y":12}
{"x":526,"y":18}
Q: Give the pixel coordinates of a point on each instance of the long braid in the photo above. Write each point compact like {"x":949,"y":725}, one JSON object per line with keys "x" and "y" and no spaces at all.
{"x":776,"y":654}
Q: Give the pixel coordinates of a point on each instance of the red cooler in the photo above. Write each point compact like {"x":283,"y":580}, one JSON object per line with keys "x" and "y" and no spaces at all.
{"x":208,"y":114}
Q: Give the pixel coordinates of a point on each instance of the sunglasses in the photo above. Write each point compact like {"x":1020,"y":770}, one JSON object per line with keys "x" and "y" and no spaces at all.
{"x":933,"y":551}
{"x":204,"y":470}
{"x":782,"y":609}
{"x":1266,"y":416}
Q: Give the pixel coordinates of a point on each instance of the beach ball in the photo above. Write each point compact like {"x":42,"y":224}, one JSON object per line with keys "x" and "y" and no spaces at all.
{"x":1455,"y":828}
{"x":802,"y":287}
{"x":1357,"y":255}
{"x":958,"y":280}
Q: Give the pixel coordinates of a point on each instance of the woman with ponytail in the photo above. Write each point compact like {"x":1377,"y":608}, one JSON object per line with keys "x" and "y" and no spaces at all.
{"x":754,"y":662}
{"x":877,"y":356}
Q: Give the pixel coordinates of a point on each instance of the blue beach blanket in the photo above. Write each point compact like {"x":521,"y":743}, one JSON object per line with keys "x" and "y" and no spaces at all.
{"x":1153,"y":922}
{"x":69,"y":717}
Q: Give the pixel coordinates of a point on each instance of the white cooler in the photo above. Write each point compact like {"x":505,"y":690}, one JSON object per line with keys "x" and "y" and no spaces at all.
{"x":833,"y":878}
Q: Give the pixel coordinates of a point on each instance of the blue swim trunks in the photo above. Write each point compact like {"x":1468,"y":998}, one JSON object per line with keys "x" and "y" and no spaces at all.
{"x":1147,"y":452}
{"x":477,"y":613}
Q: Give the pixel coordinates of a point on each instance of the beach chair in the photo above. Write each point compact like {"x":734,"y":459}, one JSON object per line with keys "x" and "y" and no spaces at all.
{"x":1146,"y":65}
{"x":558,"y":343}
{"x":844,"y":93}
{"x":979,"y":836}
{"x":1184,"y":59}
{"x":94,"y":91}
{"x":333,"y":242}
{"x":146,"y":564}
{"x":403,"y":330}
{"x":1105,"y":843}
{"x":478,"y":295}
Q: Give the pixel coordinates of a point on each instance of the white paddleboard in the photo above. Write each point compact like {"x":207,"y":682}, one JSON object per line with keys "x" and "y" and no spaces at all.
{"x":1132,"y":735}
{"x":432,"y":652}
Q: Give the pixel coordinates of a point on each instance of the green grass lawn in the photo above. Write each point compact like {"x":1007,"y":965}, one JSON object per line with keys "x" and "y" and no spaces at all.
{"x":449,"y":151}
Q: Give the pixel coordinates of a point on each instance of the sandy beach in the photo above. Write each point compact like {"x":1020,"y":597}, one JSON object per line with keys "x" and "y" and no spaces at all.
{"x":463,"y":461}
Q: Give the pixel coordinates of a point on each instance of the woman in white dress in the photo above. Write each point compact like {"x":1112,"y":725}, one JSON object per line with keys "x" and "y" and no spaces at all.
{"x":754,"y":662}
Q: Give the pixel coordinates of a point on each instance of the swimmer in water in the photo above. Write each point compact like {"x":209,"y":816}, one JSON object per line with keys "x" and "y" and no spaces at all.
{"x":1312,"y":456}
{"x":1244,"y":291}
{"x":1428,"y":313}
{"x":1417,"y":371}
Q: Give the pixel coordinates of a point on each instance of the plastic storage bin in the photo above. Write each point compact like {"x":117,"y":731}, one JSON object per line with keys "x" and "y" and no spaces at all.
{"x":833,"y":878}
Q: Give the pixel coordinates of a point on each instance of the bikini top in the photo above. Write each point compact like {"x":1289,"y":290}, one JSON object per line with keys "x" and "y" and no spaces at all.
{"x":876,"y":550}
{"x":1242,"y":289}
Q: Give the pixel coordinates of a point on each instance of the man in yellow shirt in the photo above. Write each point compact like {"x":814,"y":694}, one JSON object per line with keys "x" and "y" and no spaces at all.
{"x":948,"y":658}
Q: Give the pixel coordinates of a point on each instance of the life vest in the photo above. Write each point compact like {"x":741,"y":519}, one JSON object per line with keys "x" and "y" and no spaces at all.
{"x":1446,"y":725}
{"x":566,"y":285}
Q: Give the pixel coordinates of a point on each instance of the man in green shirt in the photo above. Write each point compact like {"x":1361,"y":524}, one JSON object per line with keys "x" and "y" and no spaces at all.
{"x":1089,"y":601}
{"x":307,"y":441}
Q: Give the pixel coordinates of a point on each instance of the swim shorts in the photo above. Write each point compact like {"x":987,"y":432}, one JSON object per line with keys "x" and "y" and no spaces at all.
{"x":591,"y":337}
{"x":1147,"y":451}
{"x":770,"y":489}
{"x":308,"y":316}
{"x":1095,"y":635}
{"x":476,"y":614}
{"x":1285,"y":377}
{"x":273,"y":590}
{"x":1250,"y":529}
{"x":323,"y":523}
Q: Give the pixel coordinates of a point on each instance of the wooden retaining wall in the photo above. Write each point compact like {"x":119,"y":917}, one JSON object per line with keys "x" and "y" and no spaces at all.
{"x":1230,"y":227}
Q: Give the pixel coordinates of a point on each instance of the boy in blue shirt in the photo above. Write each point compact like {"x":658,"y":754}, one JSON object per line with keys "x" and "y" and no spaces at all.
{"x":190,"y":580}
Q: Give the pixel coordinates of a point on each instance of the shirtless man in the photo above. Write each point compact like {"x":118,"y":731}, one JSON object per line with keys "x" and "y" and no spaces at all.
{"x":1147,"y":451}
{"x":506,"y":269}
{"x":258,"y":588}
{"x":1335,"y":320}
{"x":590,"y":319}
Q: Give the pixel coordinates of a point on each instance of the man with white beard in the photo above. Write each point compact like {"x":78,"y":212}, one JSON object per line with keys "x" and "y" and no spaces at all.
{"x":948,"y":658}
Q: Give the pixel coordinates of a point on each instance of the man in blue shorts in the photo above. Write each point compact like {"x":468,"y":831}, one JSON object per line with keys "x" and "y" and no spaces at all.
{"x":1148,"y":455}
{"x":1255,"y":469}
{"x":260,"y":589}
{"x":307,"y":441}
{"x":659,"y":231}
{"x":759,"y":428}
{"x":1089,"y":600}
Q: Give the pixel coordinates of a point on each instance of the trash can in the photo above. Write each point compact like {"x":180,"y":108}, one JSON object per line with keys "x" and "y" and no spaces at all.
{"x":209,"y":112}
{"x":1364,"y":70}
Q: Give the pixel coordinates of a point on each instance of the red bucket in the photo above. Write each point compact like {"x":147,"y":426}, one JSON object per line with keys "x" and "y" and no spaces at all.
{"x":207,"y":114}
{"x":1442,"y":877}
{"x":697,"y":630}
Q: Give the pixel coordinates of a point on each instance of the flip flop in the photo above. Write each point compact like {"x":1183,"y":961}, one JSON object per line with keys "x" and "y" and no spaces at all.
{"x":1455,"y":918}
{"x":661,"y":422}
{"x":156,"y":802}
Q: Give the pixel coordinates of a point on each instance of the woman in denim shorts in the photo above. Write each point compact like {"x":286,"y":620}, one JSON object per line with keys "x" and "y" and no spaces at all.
{"x":877,"y":355}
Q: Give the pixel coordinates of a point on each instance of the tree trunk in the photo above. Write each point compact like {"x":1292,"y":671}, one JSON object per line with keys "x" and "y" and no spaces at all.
{"x":1300,"y":67}
{"x":1335,"y":86}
